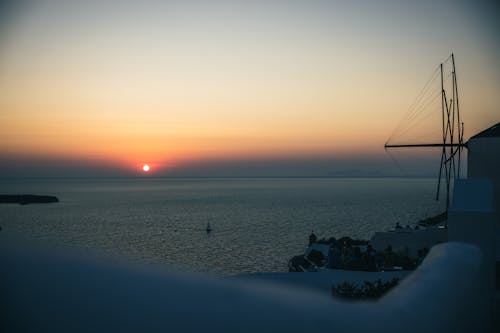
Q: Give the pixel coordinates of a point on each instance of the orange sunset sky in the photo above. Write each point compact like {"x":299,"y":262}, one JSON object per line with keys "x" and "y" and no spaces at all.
{"x":175,"y":84}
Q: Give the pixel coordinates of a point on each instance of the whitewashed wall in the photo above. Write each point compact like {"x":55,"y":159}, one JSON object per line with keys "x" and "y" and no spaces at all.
{"x":48,"y":291}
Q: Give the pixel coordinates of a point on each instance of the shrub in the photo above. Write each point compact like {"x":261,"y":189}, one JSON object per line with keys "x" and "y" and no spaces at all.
{"x":369,"y":290}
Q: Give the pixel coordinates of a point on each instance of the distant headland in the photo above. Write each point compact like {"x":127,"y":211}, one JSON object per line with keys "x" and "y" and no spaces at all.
{"x":25,"y":199}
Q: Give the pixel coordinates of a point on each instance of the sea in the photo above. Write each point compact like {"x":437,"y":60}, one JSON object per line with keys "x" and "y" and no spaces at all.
{"x":257,"y":224}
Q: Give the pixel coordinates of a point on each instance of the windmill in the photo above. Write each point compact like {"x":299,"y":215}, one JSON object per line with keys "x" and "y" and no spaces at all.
{"x":452,"y":127}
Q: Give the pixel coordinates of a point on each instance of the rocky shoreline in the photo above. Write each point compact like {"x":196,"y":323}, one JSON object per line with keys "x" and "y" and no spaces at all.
{"x":25,"y":199}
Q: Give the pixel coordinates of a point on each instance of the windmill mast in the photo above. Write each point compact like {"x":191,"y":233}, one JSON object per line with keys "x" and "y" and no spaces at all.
{"x":452,"y":134}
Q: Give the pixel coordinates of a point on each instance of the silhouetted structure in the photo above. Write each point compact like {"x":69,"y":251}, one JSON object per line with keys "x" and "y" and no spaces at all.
{"x":453,"y":135}
{"x":24,"y":199}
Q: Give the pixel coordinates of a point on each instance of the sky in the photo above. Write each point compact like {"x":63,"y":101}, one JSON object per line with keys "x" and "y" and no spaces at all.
{"x":236,"y":88}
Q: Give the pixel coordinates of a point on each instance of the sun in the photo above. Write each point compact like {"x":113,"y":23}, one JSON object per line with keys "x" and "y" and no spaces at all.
{"x":146,"y":168}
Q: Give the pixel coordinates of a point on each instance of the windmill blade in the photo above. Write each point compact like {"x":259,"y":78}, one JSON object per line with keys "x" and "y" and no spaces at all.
{"x":439,"y":177}
{"x":452,"y":128}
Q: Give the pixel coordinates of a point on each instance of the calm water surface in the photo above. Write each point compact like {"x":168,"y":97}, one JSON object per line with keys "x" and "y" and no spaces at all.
{"x":258,"y":224}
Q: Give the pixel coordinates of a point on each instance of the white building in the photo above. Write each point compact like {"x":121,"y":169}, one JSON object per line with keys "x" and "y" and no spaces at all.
{"x":484,"y":160}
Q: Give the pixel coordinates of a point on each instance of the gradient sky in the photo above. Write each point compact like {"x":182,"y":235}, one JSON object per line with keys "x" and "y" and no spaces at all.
{"x":233,"y":87}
